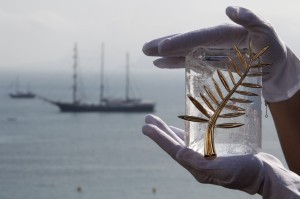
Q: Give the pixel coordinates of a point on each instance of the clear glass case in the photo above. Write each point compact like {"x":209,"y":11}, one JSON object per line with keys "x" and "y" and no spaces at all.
{"x":201,"y":69}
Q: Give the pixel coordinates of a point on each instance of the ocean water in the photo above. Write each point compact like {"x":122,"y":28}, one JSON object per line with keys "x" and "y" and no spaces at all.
{"x":45,"y":154}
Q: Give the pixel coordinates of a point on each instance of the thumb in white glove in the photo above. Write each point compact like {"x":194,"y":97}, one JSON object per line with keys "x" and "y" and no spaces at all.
{"x":254,"y":173}
{"x":284,"y":78}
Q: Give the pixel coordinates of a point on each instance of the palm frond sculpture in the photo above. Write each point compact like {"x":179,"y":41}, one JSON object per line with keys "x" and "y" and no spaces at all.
{"x":220,"y":101}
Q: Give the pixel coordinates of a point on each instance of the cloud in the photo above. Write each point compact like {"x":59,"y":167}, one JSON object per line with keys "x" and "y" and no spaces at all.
{"x":40,"y":20}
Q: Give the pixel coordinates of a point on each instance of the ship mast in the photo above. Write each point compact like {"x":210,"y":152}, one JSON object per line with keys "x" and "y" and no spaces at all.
{"x":75,"y":75}
{"x":17,"y":85}
{"x":127,"y":78}
{"x":101,"y":98}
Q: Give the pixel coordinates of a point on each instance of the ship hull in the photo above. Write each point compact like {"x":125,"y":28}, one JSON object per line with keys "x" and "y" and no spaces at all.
{"x":78,"y":108}
{"x":22,"y":95}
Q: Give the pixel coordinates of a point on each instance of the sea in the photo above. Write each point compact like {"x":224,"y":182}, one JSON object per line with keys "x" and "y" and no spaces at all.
{"x":46,"y":154}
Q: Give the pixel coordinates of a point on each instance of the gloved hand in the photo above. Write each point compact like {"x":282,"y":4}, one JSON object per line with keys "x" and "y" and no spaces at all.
{"x":254,"y":173}
{"x":284,"y":78}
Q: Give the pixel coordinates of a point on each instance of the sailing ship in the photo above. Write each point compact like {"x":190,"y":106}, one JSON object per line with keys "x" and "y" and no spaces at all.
{"x":21,"y":94}
{"x":127,"y":104}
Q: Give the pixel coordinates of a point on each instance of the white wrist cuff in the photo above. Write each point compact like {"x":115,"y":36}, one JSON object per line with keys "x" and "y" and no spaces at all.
{"x":282,"y":84}
{"x":280,"y":183}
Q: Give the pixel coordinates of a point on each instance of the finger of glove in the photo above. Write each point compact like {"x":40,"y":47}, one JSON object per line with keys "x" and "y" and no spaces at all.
{"x":269,"y":159}
{"x":261,"y":32}
{"x":179,"y":132}
{"x":248,"y":19}
{"x":156,"y":121}
{"x":221,"y":36}
{"x":174,"y":62}
{"x":179,"y":62}
{"x":151,"y":48}
{"x":165,"y":141}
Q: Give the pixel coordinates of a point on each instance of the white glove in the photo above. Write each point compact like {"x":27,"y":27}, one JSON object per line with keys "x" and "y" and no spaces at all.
{"x":284,"y":78}
{"x":259,"y":173}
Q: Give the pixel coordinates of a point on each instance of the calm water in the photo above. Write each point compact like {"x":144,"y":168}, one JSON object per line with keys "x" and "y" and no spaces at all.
{"x":45,"y":154}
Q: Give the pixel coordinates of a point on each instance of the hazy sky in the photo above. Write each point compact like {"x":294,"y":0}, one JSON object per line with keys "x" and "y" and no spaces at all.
{"x":38,"y":35}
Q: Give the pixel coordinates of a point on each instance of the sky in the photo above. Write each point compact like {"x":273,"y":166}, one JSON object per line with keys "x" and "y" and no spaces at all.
{"x":39,"y":35}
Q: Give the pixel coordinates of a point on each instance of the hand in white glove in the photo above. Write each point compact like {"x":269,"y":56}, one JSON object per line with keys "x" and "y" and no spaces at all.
{"x":259,"y":173}
{"x":284,"y":78}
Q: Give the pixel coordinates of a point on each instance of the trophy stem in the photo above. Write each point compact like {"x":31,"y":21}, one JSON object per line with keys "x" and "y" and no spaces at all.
{"x":209,"y":146}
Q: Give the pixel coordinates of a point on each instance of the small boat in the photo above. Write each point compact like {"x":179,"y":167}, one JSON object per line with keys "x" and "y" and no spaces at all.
{"x":21,"y":94}
{"x":126,"y":105}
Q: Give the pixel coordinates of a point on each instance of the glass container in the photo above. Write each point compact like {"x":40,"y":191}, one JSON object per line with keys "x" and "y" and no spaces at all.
{"x":203,"y":68}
